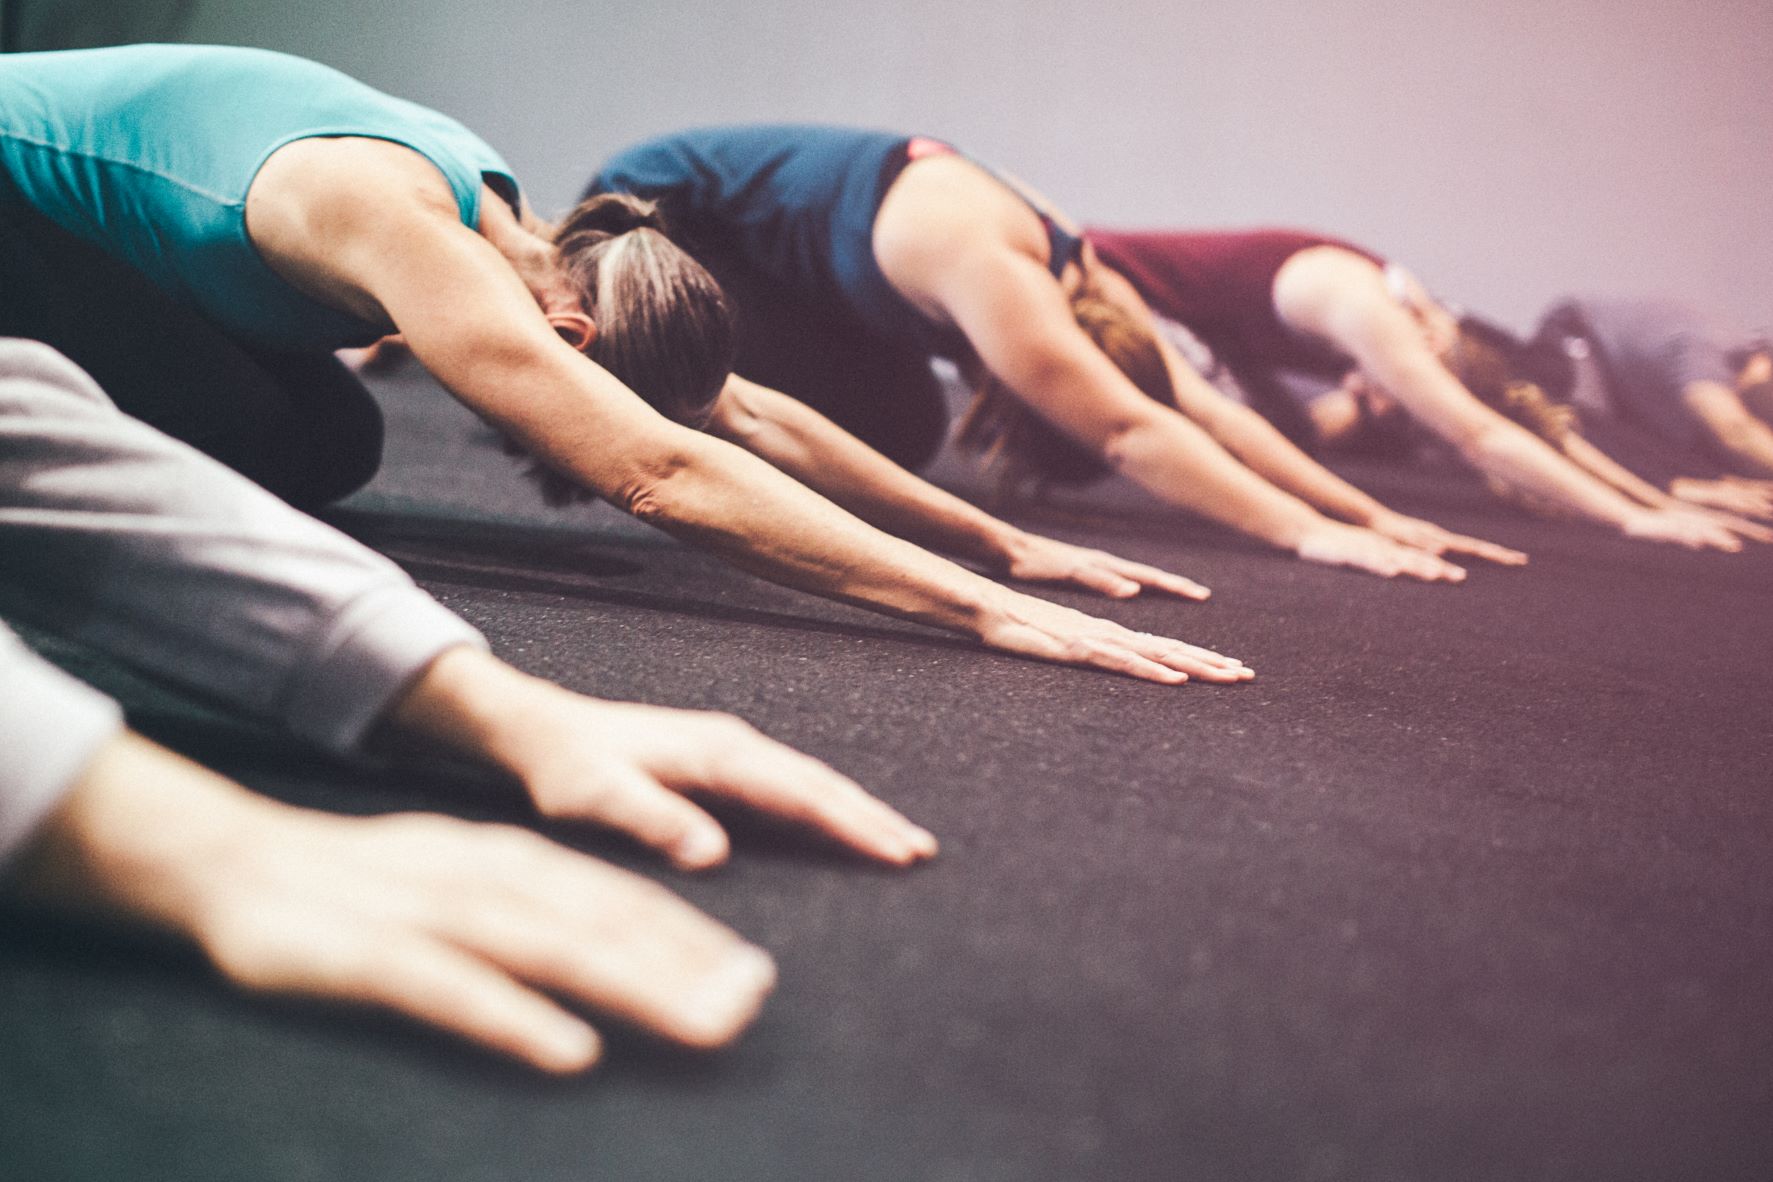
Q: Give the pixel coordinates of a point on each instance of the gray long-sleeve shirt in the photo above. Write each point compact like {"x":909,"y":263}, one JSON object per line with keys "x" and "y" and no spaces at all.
{"x":120,"y":537}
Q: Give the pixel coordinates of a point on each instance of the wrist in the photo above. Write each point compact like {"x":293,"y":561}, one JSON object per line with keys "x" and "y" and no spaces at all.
{"x":1371,"y":514}
{"x":143,"y":832}
{"x":468,"y":702}
{"x":476,"y":705}
{"x":1005,"y":546}
{"x":990,"y":611}
{"x":1294,"y":531}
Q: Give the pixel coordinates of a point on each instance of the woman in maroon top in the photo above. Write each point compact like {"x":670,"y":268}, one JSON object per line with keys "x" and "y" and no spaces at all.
{"x":1272,"y":300}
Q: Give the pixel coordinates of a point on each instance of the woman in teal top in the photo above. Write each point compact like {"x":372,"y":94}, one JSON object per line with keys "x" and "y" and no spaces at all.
{"x":270,"y":207}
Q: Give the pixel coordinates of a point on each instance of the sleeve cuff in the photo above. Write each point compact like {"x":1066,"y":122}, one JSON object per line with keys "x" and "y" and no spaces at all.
{"x":375,"y":648}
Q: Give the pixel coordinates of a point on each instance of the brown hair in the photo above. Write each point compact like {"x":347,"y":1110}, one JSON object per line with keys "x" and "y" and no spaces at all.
{"x":663,"y":326}
{"x":664,"y":329}
{"x":1020,"y":448}
{"x":1486,"y":367}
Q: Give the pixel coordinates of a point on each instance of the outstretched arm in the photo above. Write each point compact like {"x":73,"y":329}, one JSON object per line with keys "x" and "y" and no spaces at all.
{"x":475,"y":326}
{"x":1343,"y":299}
{"x":1610,"y":472}
{"x":826,"y":458}
{"x":1020,"y":323}
{"x":1254,"y":440}
{"x":162,"y":557}
{"x":1740,"y":437}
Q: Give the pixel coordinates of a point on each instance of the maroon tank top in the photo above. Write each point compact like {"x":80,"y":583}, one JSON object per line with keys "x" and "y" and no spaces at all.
{"x":1220,"y":284}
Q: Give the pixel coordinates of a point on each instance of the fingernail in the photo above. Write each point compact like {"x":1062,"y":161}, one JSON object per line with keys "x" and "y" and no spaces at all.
{"x":730,"y":996}
{"x":924,"y":840}
{"x":704,"y":846}
{"x":570,"y":1046}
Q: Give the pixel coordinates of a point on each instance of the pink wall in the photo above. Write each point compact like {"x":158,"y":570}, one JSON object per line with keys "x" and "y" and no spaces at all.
{"x":1508,"y":149}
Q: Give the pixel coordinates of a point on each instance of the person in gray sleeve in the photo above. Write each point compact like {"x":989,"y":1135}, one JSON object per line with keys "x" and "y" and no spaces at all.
{"x":130,"y":542}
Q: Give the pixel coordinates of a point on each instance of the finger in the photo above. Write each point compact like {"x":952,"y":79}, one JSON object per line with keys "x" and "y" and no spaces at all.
{"x":1160,"y":647}
{"x":440,"y":986}
{"x":749,"y":767}
{"x":1490,"y":551}
{"x":1430,"y":569}
{"x":1193,"y":660}
{"x":626,"y":798}
{"x":1098,"y":577}
{"x":1164,"y":580}
{"x":634,"y":951}
{"x":1751,"y":531}
{"x":1124,"y":660}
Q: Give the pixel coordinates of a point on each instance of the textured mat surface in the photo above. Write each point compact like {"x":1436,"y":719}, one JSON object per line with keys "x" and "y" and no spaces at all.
{"x":1469,"y":883}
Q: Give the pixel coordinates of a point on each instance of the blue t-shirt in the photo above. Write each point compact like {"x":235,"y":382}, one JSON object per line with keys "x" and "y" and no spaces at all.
{"x":797,"y":202}
{"x":148,"y":151}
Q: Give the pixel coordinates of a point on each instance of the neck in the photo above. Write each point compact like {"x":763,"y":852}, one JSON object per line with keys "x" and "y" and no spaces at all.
{"x":530,"y":254}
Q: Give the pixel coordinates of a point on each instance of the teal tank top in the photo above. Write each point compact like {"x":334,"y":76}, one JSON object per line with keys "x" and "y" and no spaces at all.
{"x":148,"y":151}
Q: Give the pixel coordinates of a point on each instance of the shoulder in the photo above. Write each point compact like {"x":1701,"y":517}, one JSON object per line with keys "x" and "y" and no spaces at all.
{"x":945,"y":213}
{"x":348,"y":183}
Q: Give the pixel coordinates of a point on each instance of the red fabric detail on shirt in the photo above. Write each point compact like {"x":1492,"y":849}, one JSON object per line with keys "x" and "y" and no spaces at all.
{"x":1220,"y":284}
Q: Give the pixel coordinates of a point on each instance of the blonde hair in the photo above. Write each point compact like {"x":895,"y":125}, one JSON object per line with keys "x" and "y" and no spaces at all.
{"x":1021,"y":450}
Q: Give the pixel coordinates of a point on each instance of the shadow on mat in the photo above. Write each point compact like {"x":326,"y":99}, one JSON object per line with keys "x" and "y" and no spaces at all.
{"x":124,"y":964}
{"x":496,"y":556}
{"x":558,"y":549}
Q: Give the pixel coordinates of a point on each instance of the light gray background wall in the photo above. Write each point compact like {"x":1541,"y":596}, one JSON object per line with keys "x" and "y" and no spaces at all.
{"x":1508,"y":150}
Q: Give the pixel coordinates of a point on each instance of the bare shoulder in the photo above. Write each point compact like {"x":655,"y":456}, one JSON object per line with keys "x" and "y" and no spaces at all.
{"x":1322,"y":286}
{"x":1328,"y":270}
{"x":322,"y":210}
{"x":945,"y":214}
{"x":338,"y":183}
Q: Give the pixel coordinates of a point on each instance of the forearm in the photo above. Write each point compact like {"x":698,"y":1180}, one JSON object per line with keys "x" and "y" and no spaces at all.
{"x":718,"y":496}
{"x":1604,"y":468}
{"x":51,"y":728}
{"x":1258,"y":444}
{"x":134,"y":832}
{"x":1494,"y":445}
{"x":826,"y":458}
{"x":1746,"y":448}
{"x":1256,"y":441}
{"x":1525,"y":463}
{"x":1179,"y":463}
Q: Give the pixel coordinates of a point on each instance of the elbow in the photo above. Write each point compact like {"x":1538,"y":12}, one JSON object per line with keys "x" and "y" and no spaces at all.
{"x":1483,"y":444}
{"x":650,"y":492}
{"x":1122,"y":444}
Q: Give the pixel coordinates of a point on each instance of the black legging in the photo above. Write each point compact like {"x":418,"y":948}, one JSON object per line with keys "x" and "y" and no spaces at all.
{"x":300,"y":424}
{"x":882,"y":393}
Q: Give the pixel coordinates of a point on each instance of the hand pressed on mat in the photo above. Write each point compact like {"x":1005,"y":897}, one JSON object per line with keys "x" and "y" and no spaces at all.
{"x":468,"y":927}
{"x":627,"y":766}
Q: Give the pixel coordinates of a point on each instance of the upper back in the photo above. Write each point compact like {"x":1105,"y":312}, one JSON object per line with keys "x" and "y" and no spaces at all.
{"x":1220,"y":284}
{"x":799,"y":203}
{"x":796,"y":201}
{"x":150,"y":150}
